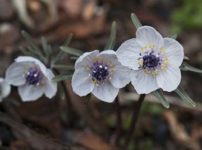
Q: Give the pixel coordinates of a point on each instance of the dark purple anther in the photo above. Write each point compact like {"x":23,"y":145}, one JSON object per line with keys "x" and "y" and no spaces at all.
{"x":100,"y":71}
{"x":34,"y":76}
{"x":151,"y":61}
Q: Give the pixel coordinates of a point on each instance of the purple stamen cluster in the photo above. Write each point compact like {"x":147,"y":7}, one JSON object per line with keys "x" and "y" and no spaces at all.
{"x":100,"y":71}
{"x":34,"y":76}
{"x":151,"y":61}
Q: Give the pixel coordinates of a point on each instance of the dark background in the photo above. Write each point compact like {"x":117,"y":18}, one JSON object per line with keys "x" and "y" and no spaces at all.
{"x":49,"y":125}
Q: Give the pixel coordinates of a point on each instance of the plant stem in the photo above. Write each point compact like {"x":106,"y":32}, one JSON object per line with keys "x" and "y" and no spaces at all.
{"x":136,"y":111}
{"x":118,"y":120}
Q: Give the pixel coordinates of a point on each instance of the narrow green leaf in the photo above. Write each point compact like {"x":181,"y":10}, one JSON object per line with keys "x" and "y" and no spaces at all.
{"x":184,"y":96}
{"x":28,"y":38}
{"x":32,"y":47}
{"x":62,"y":78}
{"x":61,"y":53}
{"x":46,"y":47}
{"x":63,"y":67}
{"x":135,"y":20}
{"x":68,"y":40}
{"x":159,"y":95}
{"x":71,"y":51}
{"x":112,"y":38}
{"x":186,"y":67}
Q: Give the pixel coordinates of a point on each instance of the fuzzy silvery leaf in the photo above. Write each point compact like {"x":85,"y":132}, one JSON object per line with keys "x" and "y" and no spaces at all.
{"x":186,"y":67}
{"x":184,"y":96}
{"x":135,"y":20}
{"x":71,"y":51}
{"x":61,"y":53}
{"x":159,"y":95}
{"x":112,"y":37}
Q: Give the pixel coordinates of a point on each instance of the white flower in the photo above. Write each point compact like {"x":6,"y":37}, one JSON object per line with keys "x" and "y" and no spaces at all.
{"x":32,"y":78}
{"x":5,"y":89}
{"x":154,"y":60}
{"x":99,"y":73}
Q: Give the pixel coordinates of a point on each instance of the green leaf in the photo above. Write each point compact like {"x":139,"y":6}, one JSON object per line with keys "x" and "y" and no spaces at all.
{"x":71,"y":51}
{"x":62,"y":78}
{"x":186,"y":67}
{"x":61,"y":53}
{"x":184,"y":96}
{"x":135,"y":20}
{"x":68,"y":40}
{"x":159,"y":95}
{"x":32,"y":47}
{"x":28,"y":38}
{"x":112,"y":38}
{"x":46,"y":47}
{"x":63,"y":67}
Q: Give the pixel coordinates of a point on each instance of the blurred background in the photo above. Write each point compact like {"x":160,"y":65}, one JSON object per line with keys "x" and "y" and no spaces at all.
{"x":90,"y":125}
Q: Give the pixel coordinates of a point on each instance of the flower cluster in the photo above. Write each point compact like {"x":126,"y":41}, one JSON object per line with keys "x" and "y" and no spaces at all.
{"x":149,"y":61}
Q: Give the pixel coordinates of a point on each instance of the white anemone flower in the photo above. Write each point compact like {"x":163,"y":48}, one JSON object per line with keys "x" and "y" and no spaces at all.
{"x":5,"y":89}
{"x":101,"y":74}
{"x":154,"y":60}
{"x":32,"y":78}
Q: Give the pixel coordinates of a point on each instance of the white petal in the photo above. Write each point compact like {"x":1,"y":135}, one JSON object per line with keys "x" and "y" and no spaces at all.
{"x":32,"y":59}
{"x":108,"y":52}
{"x":30,"y":92}
{"x":86,"y":59}
{"x":15,"y":73}
{"x":105,"y":92}
{"x":174,"y":52}
{"x":147,"y":35}
{"x":108,"y":56}
{"x":128,"y":53}
{"x":120,"y":76}
{"x":169,"y":79}
{"x":82,"y":83}
{"x":51,"y":87}
{"x":143,"y":83}
{"x":5,"y":88}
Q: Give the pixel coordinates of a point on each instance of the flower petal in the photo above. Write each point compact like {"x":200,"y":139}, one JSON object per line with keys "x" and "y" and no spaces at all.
{"x":15,"y":73}
{"x":86,"y":59}
{"x":143,"y":83}
{"x":147,"y":35}
{"x":105,"y":92}
{"x":5,"y":88}
{"x":82,"y":83}
{"x":120,"y":76}
{"x":128,"y":53}
{"x":32,"y":59}
{"x":30,"y":92}
{"x":51,"y":87}
{"x":108,"y":56}
{"x":169,"y":79}
{"x":174,"y":52}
